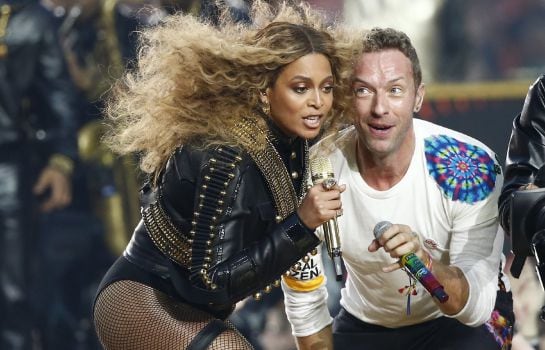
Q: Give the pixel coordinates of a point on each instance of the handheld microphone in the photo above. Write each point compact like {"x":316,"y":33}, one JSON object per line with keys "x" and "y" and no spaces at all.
{"x":322,"y":172}
{"x":416,"y":268}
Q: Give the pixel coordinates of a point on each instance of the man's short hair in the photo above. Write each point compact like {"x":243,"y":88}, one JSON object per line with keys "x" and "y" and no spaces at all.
{"x":379,"y":39}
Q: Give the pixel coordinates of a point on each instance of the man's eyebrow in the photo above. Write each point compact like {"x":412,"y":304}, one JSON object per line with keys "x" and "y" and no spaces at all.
{"x":359,"y":80}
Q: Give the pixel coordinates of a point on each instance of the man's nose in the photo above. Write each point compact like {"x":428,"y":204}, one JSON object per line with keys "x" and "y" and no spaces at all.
{"x":380,"y":104}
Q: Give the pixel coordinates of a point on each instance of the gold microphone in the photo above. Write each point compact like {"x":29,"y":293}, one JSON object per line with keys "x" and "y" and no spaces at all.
{"x":322,"y":173}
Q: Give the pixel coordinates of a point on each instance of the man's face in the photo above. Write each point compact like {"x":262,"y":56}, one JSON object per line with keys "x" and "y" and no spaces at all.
{"x":385,"y":100}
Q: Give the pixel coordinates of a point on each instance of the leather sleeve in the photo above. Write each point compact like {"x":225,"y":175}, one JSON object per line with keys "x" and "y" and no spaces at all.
{"x":526,"y":151}
{"x":238,"y":247}
{"x":265,"y":260}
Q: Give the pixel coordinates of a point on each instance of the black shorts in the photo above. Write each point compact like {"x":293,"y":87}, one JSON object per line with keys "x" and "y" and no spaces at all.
{"x":440,"y":334}
{"x":123,"y":269}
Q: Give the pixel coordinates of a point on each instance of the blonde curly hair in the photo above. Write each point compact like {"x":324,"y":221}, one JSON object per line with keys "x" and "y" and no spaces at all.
{"x":194,"y":81}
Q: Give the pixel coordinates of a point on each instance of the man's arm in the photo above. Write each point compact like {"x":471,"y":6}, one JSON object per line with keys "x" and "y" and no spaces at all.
{"x":472,"y":277}
{"x":475,"y":247}
{"x":400,"y":239}
{"x":455,"y":284}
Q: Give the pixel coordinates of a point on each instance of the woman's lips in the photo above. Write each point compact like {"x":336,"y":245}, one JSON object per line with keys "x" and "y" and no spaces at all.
{"x":312,"y":121}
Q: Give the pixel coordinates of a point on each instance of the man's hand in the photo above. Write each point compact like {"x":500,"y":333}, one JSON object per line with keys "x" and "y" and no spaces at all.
{"x":59,"y":187}
{"x":399,"y":240}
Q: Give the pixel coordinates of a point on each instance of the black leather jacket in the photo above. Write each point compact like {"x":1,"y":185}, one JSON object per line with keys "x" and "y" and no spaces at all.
{"x":34,"y":68}
{"x":526,"y":152}
{"x":211,"y":225}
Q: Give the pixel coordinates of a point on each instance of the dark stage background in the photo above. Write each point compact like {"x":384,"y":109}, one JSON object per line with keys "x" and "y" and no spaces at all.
{"x":484,"y":111}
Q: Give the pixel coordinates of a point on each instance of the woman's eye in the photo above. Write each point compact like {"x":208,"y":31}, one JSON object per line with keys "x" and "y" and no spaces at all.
{"x":328,"y":89}
{"x":300,"y":89}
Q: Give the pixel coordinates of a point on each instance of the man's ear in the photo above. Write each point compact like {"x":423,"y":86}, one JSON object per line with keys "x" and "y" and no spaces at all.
{"x":420,"y":93}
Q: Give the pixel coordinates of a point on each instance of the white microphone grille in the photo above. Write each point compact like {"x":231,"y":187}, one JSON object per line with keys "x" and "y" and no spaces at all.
{"x":380,"y":228}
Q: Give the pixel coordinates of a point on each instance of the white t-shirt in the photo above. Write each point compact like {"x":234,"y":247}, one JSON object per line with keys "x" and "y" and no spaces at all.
{"x":448,"y":196}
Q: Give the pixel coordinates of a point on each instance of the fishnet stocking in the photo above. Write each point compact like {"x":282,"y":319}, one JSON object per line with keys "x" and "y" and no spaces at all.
{"x":131,"y":315}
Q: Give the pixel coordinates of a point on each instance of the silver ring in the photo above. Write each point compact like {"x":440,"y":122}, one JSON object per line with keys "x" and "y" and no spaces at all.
{"x":328,"y":183}
{"x":339,"y":212}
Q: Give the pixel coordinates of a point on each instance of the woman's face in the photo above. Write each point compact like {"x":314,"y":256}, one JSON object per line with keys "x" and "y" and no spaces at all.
{"x":301,"y":96}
